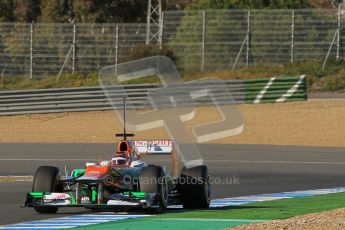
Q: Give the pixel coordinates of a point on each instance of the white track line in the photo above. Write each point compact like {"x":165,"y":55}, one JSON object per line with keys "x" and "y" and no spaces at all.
{"x":70,"y":221}
{"x":33,"y":159}
{"x":11,"y":178}
{"x":38,"y":227}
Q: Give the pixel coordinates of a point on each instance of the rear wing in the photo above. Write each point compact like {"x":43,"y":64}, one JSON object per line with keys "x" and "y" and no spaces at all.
{"x":152,"y":146}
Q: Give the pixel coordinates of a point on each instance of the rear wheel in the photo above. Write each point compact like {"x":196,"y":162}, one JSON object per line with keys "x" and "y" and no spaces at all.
{"x":153,"y":180}
{"x":195,"y":187}
{"x":46,"y":180}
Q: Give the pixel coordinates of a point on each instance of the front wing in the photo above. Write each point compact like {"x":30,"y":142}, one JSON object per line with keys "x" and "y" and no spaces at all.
{"x":125,"y":200}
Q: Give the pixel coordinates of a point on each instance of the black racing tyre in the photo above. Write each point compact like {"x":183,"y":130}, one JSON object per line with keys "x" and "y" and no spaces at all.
{"x":153,"y":180}
{"x":46,"y":180}
{"x":195,"y":187}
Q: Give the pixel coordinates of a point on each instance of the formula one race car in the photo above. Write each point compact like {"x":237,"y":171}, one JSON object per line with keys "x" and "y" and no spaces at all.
{"x":125,"y":182}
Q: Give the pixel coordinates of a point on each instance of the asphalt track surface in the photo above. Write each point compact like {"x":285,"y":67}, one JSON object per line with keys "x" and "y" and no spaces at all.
{"x":257,"y":169}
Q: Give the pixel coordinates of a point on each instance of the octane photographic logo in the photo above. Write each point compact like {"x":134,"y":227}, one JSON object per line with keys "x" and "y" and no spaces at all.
{"x":172,"y":104}
{"x":133,"y":180}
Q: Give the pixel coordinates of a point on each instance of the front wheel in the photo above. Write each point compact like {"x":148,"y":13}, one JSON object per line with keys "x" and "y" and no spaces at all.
{"x":46,"y":180}
{"x":153,"y":180}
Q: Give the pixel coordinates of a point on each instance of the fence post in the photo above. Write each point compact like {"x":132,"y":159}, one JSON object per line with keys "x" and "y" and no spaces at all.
{"x":74,"y":50}
{"x":330,"y":48}
{"x":148,"y":23}
{"x":203,"y":40}
{"x":292,"y":36}
{"x":31,"y":48}
{"x":248,"y":39}
{"x":116,"y":47}
{"x":339,"y":28}
{"x":161,"y":27}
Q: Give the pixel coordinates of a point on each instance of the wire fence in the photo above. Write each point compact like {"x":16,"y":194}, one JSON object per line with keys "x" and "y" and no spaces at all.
{"x":201,"y":40}
{"x":223,"y":39}
{"x":38,"y":50}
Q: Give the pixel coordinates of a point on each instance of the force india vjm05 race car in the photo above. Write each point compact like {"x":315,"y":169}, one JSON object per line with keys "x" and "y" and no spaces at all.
{"x":125,"y":182}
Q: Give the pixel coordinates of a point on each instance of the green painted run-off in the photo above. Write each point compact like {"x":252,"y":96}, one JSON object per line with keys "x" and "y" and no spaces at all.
{"x":219,"y":218}
{"x":181,"y":224}
{"x":279,"y":87}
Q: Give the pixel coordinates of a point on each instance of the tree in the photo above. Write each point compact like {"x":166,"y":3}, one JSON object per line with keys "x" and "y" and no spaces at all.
{"x":27,"y":10}
{"x":54,"y":11}
{"x":324,"y":4}
{"x":249,"y":4}
{"x":6,"y":11}
{"x":101,"y":11}
{"x":178,"y":4}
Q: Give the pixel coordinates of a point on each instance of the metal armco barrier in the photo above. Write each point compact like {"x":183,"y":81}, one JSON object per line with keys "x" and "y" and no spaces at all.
{"x":280,"y":89}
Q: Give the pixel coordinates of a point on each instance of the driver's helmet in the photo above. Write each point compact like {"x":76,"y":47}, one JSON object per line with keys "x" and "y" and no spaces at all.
{"x":120,"y":158}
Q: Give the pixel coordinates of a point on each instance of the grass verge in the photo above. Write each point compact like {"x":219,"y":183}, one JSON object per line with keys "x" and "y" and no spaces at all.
{"x":65,"y":81}
{"x":329,"y":79}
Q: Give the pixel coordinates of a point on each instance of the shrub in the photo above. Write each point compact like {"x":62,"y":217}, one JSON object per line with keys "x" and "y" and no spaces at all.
{"x":143,"y":51}
{"x":334,"y":83}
